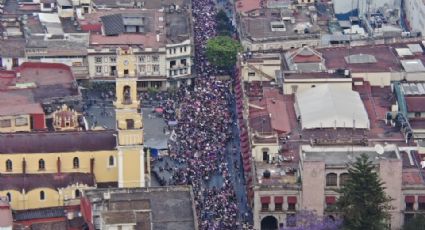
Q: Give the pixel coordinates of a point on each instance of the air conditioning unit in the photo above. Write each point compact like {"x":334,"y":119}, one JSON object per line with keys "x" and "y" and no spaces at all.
{"x":106,"y":195}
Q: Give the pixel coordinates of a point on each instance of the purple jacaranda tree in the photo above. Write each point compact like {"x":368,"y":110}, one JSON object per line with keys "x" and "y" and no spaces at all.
{"x":309,"y":220}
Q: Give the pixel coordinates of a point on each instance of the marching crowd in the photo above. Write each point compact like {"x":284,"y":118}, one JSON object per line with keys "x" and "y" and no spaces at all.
{"x":204,"y":128}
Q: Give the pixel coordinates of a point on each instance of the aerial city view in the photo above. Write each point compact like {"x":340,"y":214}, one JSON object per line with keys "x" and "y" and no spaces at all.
{"x":212,"y":114}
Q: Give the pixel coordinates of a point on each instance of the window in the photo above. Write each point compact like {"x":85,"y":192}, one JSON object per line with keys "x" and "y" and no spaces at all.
{"x":76,"y":162}
{"x":21,"y":121}
{"x":98,"y":59}
{"x":265,"y":207}
{"x":5,"y":123}
{"x":141,"y":59}
{"x":343,"y":178}
{"x":408,"y":217}
{"x":42,"y":195}
{"x":251,"y":74}
{"x":155,"y":58}
{"x":46,"y":5}
{"x":130,"y":123}
{"x":417,"y":114}
{"x":142,"y":68}
{"x":112,"y":59}
{"x":184,"y":49}
{"x":156,"y":84}
{"x":77,"y":193}
{"x":172,"y":64}
{"x":9,"y":165}
{"x":111,"y":161}
{"x":9,"y":197}
{"x":278,"y":207}
{"x":265,"y":201}
{"x":41,"y":165}
{"x":331,"y":179}
{"x":409,"y":206}
{"x":144,"y":84}
{"x":155,"y":68}
{"x":126,"y":95}
{"x":291,"y":207}
{"x":421,"y":206}
{"x":98,"y":69}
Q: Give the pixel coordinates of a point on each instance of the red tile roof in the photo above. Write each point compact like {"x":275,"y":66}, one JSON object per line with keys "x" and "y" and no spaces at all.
{"x":57,"y":142}
{"x":387,"y":61}
{"x":271,"y":114}
{"x":243,"y":6}
{"x":49,"y":180}
{"x":45,"y":73}
{"x":415,"y":104}
{"x":21,"y":109}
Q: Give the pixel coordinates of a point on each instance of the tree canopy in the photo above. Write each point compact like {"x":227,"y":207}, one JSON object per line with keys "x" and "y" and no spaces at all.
{"x":224,"y":26}
{"x":363,"y":202}
{"x":222,"y":51}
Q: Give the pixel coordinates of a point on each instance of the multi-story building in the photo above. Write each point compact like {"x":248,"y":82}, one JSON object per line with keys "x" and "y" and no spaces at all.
{"x":301,"y":140}
{"x":51,"y":167}
{"x":160,"y":42}
{"x":284,"y":27}
{"x":139,"y":208}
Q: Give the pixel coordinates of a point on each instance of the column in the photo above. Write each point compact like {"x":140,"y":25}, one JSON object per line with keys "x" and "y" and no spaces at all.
{"x":142,"y":167}
{"x":120,"y":169}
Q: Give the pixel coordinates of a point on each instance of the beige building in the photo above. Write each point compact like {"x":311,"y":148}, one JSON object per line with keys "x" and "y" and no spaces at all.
{"x":280,"y":28}
{"x":161,"y":54}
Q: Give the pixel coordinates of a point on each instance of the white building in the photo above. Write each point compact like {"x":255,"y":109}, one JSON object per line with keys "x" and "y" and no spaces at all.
{"x":415,"y":14}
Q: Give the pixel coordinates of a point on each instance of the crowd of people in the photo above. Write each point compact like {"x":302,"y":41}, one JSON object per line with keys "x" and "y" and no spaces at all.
{"x":203,"y":130}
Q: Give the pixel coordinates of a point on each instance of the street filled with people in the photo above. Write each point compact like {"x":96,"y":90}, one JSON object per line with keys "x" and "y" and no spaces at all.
{"x":199,"y":142}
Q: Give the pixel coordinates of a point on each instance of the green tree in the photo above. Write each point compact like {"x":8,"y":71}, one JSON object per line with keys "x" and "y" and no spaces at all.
{"x":223,"y":25}
{"x":416,"y":223}
{"x":222,"y":51}
{"x":363,"y":203}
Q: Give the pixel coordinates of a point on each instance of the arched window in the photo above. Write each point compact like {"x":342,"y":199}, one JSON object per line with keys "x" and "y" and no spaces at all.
{"x":331,"y":179}
{"x":9,"y":165}
{"x":42,"y":195}
{"x":77,"y":193}
{"x":343,"y":178}
{"x":126,"y":95}
{"x":41,"y":165}
{"x":111,"y":161}
{"x":76,"y":162}
{"x":9,"y":197}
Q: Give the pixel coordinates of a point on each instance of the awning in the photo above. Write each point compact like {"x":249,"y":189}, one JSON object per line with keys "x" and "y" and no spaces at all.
{"x":330,"y":199}
{"x":292,"y":199}
{"x":265,"y":200}
{"x":421,"y":199}
{"x":278,"y":199}
{"x":409,"y":199}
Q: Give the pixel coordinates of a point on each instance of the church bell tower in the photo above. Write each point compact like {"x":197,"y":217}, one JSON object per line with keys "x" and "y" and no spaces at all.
{"x":131,"y":157}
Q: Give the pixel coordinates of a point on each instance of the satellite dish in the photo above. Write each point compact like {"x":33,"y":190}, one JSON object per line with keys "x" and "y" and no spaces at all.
{"x":379,"y":149}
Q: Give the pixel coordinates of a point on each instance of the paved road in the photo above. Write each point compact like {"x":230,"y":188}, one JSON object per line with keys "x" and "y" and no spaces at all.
{"x":237,"y":173}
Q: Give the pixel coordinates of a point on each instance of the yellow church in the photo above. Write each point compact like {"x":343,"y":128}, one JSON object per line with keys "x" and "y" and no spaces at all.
{"x":48,"y":169}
